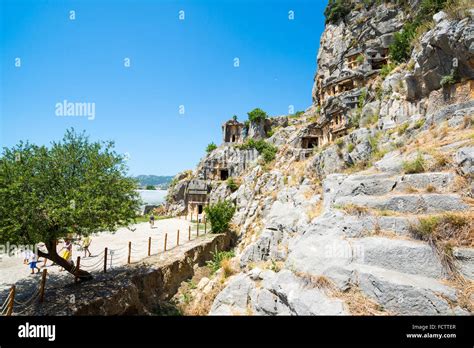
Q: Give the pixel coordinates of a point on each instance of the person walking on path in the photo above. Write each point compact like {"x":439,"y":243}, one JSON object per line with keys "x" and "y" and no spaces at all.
{"x":32,"y":260}
{"x":86,"y":242}
{"x":152,"y":220}
{"x":66,"y":251}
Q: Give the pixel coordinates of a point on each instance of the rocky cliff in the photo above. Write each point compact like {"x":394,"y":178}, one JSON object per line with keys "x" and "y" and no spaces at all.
{"x":367,"y":207}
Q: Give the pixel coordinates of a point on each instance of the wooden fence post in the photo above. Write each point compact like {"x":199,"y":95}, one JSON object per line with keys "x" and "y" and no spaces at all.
{"x":189,"y":233}
{"x":106,"y":250}
{"x":12,"y":301}
{"x":177,"y":239}
{"x":205,"y":225}
{"x":129,"y":252}
{"x":166,"y":239}
{"x":149,"y":246}
{"x":78,"y":264}
{"x":197,"y":228}
{"x":43,"y":285}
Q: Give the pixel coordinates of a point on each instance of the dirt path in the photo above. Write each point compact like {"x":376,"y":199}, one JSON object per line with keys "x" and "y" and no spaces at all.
{"x":12,"y":269}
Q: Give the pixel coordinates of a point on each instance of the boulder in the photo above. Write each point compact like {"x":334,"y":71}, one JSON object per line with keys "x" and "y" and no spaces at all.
{"x":233,"y":300}
{"x":464,"y":158}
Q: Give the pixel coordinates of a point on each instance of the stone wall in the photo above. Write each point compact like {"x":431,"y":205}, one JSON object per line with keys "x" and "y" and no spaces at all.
{"x":138,"y":289}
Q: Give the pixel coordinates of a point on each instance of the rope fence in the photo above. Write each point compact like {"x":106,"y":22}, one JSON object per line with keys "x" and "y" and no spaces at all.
{"x":105,"y":260}
{"x":13,"y":305}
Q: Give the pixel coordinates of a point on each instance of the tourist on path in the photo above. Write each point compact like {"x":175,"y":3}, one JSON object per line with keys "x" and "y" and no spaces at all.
{"x":152,"y":220}
{"x":31,"y":259}
{"x":66,"y":251}
{"x":86,"y":242}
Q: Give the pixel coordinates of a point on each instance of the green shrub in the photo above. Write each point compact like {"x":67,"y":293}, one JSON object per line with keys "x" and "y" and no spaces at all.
{"x":402,"y":129}
{"x":271,"y":132}
{"x":379,"y":91}
{"x":419,"y":123}
{"x":217,"y":258}
{"x":337,"y":9}
{"x":387,"y":69}
{"x":235,"y":117}
{"x":416,"y":166}
{"x":269,"y":154}
{"x":219,"y":215}
{"x":150,"y":187}
{"x":355,"y":120}
{"x":362,"y":98}
{"x":402,"y":45}
{"x":297,"y":114}
{"x":426,"y":226}
{"x":374,"y":143}
{"x":448,"y":80}
{"x":372,"y":119}
{"x":267,"y":150}
{"x":211,"y":147}
{"x":257,"y":115}
{"x":232,"y":185}
{"x":350,"y":147}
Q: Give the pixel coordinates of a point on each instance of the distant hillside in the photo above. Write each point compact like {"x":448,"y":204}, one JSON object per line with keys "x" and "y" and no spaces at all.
{"x":154,"y":180}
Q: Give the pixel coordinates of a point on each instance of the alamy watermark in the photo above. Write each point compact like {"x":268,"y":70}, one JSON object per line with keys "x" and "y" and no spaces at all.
{"x":75,"y":109}
{"x":17,"y":250}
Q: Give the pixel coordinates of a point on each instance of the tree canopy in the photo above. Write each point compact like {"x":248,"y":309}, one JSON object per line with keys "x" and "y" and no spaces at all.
{"x":257,"y":115}
{"x":74,"y":186}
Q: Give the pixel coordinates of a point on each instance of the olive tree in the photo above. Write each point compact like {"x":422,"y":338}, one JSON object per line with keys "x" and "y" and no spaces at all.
{"x":73,"y":186}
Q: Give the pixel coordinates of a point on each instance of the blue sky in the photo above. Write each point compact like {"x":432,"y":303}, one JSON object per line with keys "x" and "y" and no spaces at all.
{"x":173,"y":62}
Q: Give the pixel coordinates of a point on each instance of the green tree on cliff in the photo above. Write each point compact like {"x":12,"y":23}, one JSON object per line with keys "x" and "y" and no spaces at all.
{"x":74,"y":186}
{"x":337,"y":9}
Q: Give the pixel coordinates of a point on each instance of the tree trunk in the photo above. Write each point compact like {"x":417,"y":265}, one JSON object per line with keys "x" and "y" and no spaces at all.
{"x":53,"y":256}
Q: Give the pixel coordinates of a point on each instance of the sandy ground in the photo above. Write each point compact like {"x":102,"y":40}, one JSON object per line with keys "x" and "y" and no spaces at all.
{"x":13,"y":270}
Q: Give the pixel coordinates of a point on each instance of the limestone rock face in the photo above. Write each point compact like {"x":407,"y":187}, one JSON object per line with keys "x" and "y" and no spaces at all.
{"x":322,"y":222}
{"x":228,"y":158}
{"x":365,"y":29}
{"x":447,"y":48}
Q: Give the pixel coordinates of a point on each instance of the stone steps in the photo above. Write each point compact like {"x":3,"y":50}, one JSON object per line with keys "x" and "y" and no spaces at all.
{"x":405,"y":256}
{"x":383,"y":184}
{"x":407,"y":203}
{"x":403,"y":293}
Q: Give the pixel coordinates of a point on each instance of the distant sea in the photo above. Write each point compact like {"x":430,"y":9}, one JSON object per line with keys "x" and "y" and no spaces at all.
{"x":152,"y":197}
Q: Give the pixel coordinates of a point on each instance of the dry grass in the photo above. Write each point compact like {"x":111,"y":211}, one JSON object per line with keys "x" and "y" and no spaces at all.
{"x":386,"y":212}
{"x":466,"y":122}
{"x":441,"y":161}
{"x":444,"y":232}
{"x":296,"y":173}
{"x":359,"y":304}
{"x":465,"y":293}
{"x":203,"y":306}
{"x":460,"y":183}
{"x":430,"y":189}
{"x":411,"y":189}
{"x":191,"y":301}
{"x":458,"y":9}
{"x":320,"y":282}
{"x":274,"y":195}
{"x":430,"y":142}
{"x":314,"y":190}
{"x":355,"y":301}
{"x":315,"y":210}
{"x":227,"y":267}
{"x":353,"y":209}
{"x":443,"y":132}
